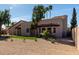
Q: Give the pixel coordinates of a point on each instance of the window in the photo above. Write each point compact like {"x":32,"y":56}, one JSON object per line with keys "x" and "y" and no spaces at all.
{"x":43,"y":29}
{"x":27,"y":30}
{"x":54,"y":30}
{"x":39,"y":30}
{"x":49,"y":30}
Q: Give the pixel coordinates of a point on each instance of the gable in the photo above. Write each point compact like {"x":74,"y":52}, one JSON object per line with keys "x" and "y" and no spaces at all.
{"x":18,"y":23}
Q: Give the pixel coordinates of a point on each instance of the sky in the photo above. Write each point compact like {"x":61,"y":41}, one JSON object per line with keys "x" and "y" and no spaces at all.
{"x":24,"y":11}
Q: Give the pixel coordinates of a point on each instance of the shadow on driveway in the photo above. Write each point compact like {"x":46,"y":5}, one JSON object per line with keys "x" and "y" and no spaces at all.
{"x":66,"y":41}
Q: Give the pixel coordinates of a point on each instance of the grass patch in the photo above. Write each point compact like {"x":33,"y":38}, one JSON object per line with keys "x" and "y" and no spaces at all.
{"x":23,"y":37}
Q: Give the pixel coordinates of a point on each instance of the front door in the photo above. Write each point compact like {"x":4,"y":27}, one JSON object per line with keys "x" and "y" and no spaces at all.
{"x":19,"y":31}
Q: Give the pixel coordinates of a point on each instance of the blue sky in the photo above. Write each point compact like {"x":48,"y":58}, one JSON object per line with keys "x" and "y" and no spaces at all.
{"x":24,"y":11}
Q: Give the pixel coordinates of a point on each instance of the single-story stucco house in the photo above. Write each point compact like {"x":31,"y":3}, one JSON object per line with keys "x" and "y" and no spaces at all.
{"x":56,"y":26}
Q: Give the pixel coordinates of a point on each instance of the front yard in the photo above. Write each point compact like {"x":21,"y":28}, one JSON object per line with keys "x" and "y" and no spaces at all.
{"x":30,"y":47}
{"x":21,"y":45}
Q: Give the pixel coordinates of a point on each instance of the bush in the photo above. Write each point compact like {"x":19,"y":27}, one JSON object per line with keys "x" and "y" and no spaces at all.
{"x":35,"y":40}
{"x":48,"y":36}
{"x":45,"y":34}
{"x":52,"y":40}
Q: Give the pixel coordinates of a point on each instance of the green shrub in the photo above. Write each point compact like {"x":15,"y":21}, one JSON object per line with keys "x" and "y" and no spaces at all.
{"x":52,"y":40}
{"x":45,"y":34}
{"x":35,"y":40}
{"x":48,"y":36}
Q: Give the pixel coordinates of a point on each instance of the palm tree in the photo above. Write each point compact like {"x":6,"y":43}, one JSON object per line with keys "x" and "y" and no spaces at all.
{"x":50,"y":8}
{"x":4,"y":18}
{"x":47,"y":9}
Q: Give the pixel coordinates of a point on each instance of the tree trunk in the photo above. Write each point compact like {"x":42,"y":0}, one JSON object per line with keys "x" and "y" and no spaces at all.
{"x":50,"y":13}
{"x":47,"y":15}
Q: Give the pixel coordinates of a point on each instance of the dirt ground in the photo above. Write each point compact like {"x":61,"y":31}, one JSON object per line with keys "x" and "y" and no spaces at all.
{"x":30,"y":47}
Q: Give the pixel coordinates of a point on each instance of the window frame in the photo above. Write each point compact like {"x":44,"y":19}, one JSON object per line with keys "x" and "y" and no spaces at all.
{"x":54,"y":30}
{"x":27,"y":30}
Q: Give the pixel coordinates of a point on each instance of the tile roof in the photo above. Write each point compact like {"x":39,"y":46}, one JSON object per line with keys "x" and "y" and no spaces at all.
{"x":45,"y":21}
{"x":51,"y":21}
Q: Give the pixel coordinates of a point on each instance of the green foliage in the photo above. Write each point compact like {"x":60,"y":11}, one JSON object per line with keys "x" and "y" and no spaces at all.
{"x":74,"y":21}
{"x":48,"y":37}
{"x":4,"y":18}
{"x":50,"y":8}
{"x":23,"y":37}
{"x":39,"y":13}
{"x":47,"y":9}
{"x":45,"y":34}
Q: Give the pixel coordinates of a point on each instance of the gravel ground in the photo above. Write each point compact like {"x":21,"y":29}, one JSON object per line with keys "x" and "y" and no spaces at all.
{"x":30,"y":47}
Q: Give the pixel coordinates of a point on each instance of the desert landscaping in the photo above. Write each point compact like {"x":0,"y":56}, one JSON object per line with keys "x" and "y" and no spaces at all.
{"x":39,"y":47}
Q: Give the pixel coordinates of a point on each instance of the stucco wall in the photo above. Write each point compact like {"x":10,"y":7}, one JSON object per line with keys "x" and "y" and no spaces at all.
{"x":60,"y":20}
{"x":75,"y":36}
{"x":24,"y":26}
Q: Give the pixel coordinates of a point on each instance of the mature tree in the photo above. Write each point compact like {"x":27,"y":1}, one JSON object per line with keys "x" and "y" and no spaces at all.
{"x":37,"y":15}
{"x":50,"y":8}
{"x":12,"y":23}
{"x":4,"y":18}
{"x":74,"y":19}
{"x":39,"y":12}
{"x":47,"y":9}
